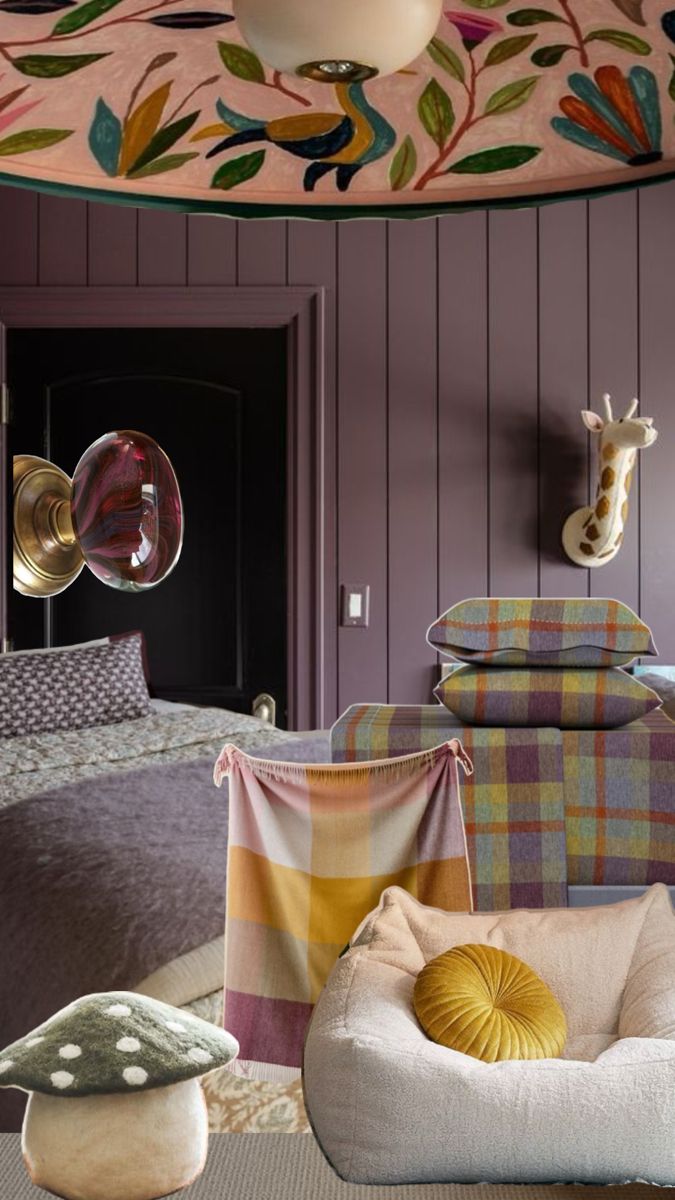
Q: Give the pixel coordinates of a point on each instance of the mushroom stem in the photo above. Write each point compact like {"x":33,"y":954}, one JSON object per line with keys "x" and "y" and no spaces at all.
{"x":122,"y":1146}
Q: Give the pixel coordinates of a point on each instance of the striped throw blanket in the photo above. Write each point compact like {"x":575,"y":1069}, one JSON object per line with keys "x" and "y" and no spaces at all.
{"x":311,"y":849}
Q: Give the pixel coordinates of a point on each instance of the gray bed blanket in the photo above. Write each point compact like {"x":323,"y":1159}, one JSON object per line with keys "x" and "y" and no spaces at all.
{"x":105,"y":879}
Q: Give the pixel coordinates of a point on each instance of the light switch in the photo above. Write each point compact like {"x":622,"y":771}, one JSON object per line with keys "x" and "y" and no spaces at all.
{"x":354,"y":604}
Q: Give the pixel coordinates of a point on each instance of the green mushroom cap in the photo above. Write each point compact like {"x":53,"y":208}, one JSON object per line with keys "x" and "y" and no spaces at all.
{"x":114,"y":1042}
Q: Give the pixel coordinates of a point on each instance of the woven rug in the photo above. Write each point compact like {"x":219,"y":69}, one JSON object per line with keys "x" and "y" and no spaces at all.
{"x":273,"y":1166}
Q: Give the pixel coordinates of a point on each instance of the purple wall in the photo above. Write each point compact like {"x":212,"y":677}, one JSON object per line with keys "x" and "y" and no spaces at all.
{"x":461,"y":351}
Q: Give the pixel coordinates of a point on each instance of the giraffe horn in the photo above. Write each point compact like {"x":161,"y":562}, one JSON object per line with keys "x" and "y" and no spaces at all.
{"x":632,"y":407}
{"x":606,"y":399}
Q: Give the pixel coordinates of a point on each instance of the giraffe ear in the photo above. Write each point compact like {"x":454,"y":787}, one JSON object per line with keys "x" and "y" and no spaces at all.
{"x":592,"y":421}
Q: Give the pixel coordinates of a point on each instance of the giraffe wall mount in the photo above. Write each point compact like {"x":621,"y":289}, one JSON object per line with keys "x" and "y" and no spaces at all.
{"x":592,"y":537}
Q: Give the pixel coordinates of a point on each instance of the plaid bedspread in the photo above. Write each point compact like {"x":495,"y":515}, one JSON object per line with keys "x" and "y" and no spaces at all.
{"x":514,"y":810}
{"x":620,"y":803}
{"x":544,"y":808}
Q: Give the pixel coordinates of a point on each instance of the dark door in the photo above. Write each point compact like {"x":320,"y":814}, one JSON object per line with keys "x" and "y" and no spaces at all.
{"x":215,"y":400}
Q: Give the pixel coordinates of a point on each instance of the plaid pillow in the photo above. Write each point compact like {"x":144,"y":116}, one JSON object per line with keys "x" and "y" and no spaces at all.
{"x":73,"y":687}
{"x":541,"y":632}
{"x":559,"y":697}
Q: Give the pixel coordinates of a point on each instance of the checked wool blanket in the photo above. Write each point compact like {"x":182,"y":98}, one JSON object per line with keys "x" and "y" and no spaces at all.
{"x":544,"y":808}
{"x":311,"y":849}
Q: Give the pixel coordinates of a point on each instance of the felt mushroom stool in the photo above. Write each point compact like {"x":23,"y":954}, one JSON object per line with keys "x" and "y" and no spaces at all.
{"x":116,"y":1111}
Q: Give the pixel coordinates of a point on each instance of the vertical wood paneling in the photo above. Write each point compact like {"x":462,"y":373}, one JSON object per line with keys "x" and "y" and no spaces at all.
{"x":162,"y":248}
{"x":212,"y":251}
{"x":113,"y":245}
{"x":262,"y":252}
{"x":463,"y":409}
{"x":62,"y":241}
{"x":657,"y":394}
{"x":312,"y":259}
{"x":18,"y":237}
{"x":513,"y":434}
{"x":413,"y":448}
{"x":362,"y":453}
{"x":613,"y":342}
{"x":563,"y":382}
{"x":456,"y":368}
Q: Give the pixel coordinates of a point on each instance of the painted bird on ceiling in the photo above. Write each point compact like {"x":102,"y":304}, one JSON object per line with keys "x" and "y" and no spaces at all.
{"x":341,"y":142}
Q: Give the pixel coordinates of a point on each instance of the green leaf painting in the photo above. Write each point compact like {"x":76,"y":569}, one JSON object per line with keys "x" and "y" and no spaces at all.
{"x":83,"y":15}
{"x":485,"y":3}
{"x":621,"y":39}
{"x":105,"y":138}
{"x":32,"y":139}
{"x":498,"y":158}
{"x":508,"y":48}
{"x":54,"y":66}
{"x":444,"y":56}
{"x":238,"y":170}
{"x":511,"y":96}
{"x":532,"y":16}
{"x":170,"y":162}
{"x":404,"y":165}
{"x":163,"y":140}
{"x":241,"y":62}
{"x":436,"y":112}
{"x":549,"y":56}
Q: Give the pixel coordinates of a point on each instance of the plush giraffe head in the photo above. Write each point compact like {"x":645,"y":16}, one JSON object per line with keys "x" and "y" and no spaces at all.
{"x":626,"y":432}
{"x":592,"y":536}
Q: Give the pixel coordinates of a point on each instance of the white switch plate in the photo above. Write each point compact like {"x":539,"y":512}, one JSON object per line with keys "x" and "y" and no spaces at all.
{"x":354,"y":605}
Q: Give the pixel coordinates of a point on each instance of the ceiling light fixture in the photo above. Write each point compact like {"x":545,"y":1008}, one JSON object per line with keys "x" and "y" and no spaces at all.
{"x":343,"y":41}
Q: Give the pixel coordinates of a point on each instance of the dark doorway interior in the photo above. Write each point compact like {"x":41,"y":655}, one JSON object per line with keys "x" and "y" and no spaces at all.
{"x":215,"y":400}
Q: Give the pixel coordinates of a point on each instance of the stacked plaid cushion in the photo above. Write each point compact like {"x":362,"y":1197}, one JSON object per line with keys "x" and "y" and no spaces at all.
{"x":560,"y":697}
{"x":570,"y":632}
{"x":548,"y":662}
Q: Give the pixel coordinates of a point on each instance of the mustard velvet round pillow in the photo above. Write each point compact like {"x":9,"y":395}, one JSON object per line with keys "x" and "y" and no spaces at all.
{"x":484,"y":1002}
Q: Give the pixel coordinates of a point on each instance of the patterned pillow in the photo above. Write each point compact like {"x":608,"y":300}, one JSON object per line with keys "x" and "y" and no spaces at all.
{"x":562,"y":698}
{"x":542,"y":632}
{"x":73,"y":687}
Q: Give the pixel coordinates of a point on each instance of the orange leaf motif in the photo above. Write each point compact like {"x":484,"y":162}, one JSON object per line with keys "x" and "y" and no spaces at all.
{"x":141,"y":126}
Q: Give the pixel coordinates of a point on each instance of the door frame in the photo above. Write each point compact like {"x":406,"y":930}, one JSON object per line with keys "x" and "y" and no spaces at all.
{"x":311,"y":579}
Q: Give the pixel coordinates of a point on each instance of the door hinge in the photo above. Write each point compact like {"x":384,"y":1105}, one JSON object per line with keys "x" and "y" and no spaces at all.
{"x":5,"y":406}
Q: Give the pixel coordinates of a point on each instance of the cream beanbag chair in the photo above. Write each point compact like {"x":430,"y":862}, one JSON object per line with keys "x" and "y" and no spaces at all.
{"x":390,"y":1106}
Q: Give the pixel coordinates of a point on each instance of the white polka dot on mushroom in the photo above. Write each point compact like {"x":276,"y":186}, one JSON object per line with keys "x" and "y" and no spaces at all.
{"x":118,"y":1010}
{"x":33,"y":1042}
{"x":134,"y":1076}
{"x":175,"y":1026}
{"x":196,"y":1054}
{"x":62,"y":1079}
{"x":128,"y":1044}
{"x":6,"y":1065}
{"x":70,"y":1051}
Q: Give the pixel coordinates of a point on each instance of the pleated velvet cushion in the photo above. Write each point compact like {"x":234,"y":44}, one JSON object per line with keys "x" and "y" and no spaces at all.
{"x":489,"y":1004}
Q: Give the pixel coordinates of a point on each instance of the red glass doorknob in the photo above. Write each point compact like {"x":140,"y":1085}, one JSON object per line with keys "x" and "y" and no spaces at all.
{"x":126,"y":511}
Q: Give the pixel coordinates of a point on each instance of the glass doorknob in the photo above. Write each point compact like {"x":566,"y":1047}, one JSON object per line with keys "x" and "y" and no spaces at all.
{"x":122,"y":515}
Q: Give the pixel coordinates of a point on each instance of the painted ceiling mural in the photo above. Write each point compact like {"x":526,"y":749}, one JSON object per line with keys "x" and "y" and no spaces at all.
{"x":161,"y":100}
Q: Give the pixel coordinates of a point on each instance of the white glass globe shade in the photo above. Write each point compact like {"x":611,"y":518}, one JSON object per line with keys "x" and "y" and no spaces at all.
{"x":330,"y":40}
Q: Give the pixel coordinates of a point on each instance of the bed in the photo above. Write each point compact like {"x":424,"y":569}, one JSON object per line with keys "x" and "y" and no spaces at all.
{"x":112,"y":870}
{"x":552,"y":816}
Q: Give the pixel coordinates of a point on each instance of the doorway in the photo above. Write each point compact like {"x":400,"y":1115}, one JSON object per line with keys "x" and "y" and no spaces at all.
{"x":216,"y":401}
